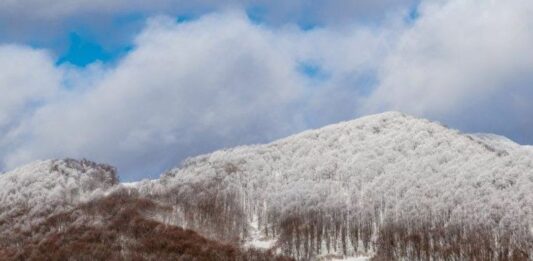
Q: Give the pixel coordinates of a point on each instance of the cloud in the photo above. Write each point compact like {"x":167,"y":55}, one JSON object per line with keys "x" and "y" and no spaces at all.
{"x":222,"y":80}
{"x":460,"y":60}
{"x":27,"y":79}
{"x":279,"y":10}
{"x":112,"y":23}
{"x":188,"y":88}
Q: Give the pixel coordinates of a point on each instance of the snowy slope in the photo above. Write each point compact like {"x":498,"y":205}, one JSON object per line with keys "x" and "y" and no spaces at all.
{"x":389,"y":185}
{"x":498,"y":142}
{"x":345,"y":185}
{"x":35,"y":191}
{"x":75,"y":210}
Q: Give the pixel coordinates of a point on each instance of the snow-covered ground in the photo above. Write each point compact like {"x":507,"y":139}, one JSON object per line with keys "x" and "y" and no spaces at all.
{"x":361,"y":258}
{"x":256,"y":238}
{"x":341,"y":258}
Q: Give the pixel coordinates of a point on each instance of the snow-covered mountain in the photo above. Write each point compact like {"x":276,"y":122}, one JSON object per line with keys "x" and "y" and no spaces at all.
{"x":77,"y":210}
{"x":388,"y":185}
{"x":498,"y":141}
{"x":31,"y":193}
{"x":385,"y":183}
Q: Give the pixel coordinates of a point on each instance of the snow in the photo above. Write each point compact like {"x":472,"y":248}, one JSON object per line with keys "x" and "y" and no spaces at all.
{"x":43,"y":188}
{"x":361,"y":258}
{"x":342,"y":258}
{"x":130,"y":184}
{"x":495,"y":141}
{"x":499,"y":142}
{"x":382,"y":168}
{"x":138,"y":184}
{"x":363,"y":174}
{"x":262,"y":244}
{"x":256,"y":239}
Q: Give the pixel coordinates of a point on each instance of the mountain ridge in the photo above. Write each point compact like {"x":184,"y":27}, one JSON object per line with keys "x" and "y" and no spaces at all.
{"x":387,"y":169}
{"x":389,"y":184}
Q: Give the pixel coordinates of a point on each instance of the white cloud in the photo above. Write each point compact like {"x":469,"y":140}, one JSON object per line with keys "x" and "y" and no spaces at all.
{"x":27,"y":79}
{"x":184,"y":88}
{"x":222,"y":80}
{"x":457,"y":53}
{"x":189,"y":88}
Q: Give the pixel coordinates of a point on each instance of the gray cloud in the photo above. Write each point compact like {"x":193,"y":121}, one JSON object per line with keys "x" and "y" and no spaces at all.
{"x":190,"y":88}
{"x":321,"y":11}
{"x":222,"y":80}
{"x":466,"y":63}
{"x":113,"y":22}
{"x":27,"y":78}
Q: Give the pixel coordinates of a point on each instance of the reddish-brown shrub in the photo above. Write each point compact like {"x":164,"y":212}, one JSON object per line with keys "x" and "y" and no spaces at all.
{"x":116,"y":228}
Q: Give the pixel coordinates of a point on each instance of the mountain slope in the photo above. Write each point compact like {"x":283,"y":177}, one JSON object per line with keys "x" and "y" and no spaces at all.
{"x":118,"y":227}
{"x":76,"y":210}
{"x":32,"y":193}
{"x":388,"y":183}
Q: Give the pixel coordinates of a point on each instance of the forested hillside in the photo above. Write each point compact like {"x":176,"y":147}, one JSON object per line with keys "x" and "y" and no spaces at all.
{"x":389,"y":186}
{"x":75,"y":210}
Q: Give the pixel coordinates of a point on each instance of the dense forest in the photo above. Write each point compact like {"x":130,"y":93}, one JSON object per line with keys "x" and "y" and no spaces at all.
{"x":116,"y":227}
{"x":389,"y":186}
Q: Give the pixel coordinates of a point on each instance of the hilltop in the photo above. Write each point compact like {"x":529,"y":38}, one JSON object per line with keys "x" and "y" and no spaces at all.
{"x":388,"y":185}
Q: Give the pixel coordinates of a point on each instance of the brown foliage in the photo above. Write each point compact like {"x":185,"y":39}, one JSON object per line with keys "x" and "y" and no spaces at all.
{"x":117,"y":228}
{"x":436,"y":242}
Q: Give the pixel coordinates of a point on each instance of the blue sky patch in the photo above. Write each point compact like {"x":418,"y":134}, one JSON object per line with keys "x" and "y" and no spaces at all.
{"x":313,"y":71}
{"x":256,"y":14}
{"x":184,"y":18}
{"x":83,"y":51}
{"x":366,"y":82}
{"x":307,"y":25}
{"x":413,"y":14}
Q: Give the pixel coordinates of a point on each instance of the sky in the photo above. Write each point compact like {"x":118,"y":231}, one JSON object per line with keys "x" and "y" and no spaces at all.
{"x":143,"y":85}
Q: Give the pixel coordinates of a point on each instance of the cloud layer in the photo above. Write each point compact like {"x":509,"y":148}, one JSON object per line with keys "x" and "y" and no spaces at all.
{"x":20,"y":91}
{"x":467,"y":63}
{"x":113,"y":22}
{"x":223,"y":80}
{"x":321,"y":11}
{"x":188,"y":88}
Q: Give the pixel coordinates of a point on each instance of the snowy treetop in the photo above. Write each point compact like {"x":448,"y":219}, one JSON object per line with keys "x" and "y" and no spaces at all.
{"x":45,"y":187}
{"x":406,"y":168}
{"x":388,"y":173}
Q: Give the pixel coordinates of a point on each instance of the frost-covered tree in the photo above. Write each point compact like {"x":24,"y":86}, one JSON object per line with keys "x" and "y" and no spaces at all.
{"x":388,"y":183}
{"x":32,"y":193}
